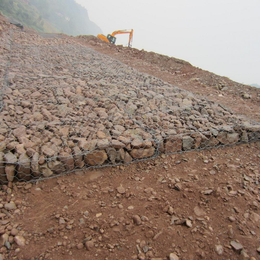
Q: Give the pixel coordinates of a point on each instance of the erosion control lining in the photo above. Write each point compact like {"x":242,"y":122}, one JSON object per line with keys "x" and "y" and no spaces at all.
{"x":65,"y":106}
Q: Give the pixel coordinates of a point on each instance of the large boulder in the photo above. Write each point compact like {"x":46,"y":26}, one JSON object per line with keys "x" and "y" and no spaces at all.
{"x":142,"y":153}
{"x":97,"y":157}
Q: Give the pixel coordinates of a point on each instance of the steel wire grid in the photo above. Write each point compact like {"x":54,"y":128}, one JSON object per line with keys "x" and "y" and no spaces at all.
{"x":66,"y":107}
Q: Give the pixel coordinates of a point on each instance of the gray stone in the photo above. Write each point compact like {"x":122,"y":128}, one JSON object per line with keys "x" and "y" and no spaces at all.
{"x":56,"y":167}
{"x":97,"y":157}
{"x":64,"y":110}
{"x":48,"y":151}
{"x":219,"y":249}
{"x":244,"y":255}
{"x":236,"y":246}
{"x":125,"y":140}
{"x":10,"y":206}
{"x":47,"y":114}
{"x":3,"y":239}
{"x":137,"y":143}
{"x":2,"y":146}
{"x":20,"y":241}
{"x":244,"y":137}
{"x":101,"y":135}
{"x":78,"y":157}
{"x":137,"y":220}
{"x":89,"y":245}
{"x":125,"y":156}
{"x":117,"y":144}
{"x":246,"y":96}
{"x":188,"y":223}
{"x":232,"y":138}
{"x":173,"y":256}
{"x":64,"y":131}
{"x":24,"y":167}
{"x":187,"y":143}
{"x":228,"y":138}
{"x":67,"y":160}
{"x":255,"y":217}
{"x":10,"y":159}
{"x":18,"y":132}
{"x":45,"y":170}
{"x":103,"y":144}
{"x":37,"y":116}
{"x":3,"y":178}
{"x":113,"y":155}
{"x":35,"y":165}
{"x":88,"y":145}
{"x":131,"y":108}
{"x":121,"y":189}
{"x":10,"y":172}
{"x":142,"y":153}
{"x":20,"y":149}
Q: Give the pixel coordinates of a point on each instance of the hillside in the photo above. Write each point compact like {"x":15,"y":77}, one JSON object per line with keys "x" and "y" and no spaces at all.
{"x":61,"y":16}
{"x":181,"y":148}
{"x":242,"y":99}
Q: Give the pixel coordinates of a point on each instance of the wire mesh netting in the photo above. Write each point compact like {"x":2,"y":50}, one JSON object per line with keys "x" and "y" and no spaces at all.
{"x":66,"y":107}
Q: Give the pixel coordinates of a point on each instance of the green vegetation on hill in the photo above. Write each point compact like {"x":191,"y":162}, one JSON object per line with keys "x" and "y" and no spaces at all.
{"x":25,"y":14}
{"x":64,"y":16}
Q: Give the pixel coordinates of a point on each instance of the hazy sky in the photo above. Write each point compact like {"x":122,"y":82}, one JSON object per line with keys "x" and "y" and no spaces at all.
{"x":221,"y":36}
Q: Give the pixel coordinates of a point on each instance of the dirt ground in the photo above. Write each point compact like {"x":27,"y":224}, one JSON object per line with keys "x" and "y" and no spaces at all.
{"x":194,"y":205}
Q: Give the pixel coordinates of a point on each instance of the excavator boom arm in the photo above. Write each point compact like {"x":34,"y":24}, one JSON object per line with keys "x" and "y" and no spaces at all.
{"x":123,"y":32}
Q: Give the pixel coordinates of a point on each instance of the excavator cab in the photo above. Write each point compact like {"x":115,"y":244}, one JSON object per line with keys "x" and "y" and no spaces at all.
{"x":111,"y":39}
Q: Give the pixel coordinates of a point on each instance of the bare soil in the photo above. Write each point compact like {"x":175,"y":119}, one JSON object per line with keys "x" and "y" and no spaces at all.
{"x":194,"y":205}
{"x":187,"y":204}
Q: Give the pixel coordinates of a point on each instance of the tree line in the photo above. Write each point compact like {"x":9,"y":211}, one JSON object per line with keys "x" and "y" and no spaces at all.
{"x":63,"y":16}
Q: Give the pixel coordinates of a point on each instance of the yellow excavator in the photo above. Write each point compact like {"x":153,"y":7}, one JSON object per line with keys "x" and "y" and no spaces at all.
{"x":110,"y":38}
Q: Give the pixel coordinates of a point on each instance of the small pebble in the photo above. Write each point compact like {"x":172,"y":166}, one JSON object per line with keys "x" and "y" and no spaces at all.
{"x":89,"y":245}
{"x":137,"y":220}
{"x":173,"y":256}
{"x":236,"y":246}
{"x":219,"y":249}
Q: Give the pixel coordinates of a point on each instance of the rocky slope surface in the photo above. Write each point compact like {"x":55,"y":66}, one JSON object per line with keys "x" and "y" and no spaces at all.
{"x":65,"y":107}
